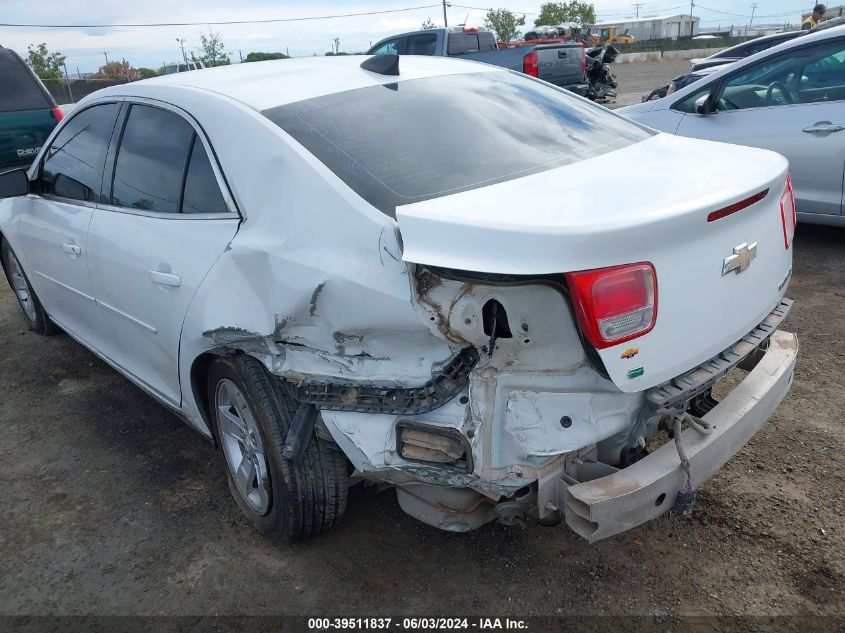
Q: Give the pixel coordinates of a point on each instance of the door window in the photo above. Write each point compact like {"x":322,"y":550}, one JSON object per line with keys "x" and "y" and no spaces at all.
{"x":422,"y":44}
{"x":390,"y":47}
{"x":806,"y":75}
{"x":202,"y":195}
{"x":151,"y":160}
{"x":74,"y":164}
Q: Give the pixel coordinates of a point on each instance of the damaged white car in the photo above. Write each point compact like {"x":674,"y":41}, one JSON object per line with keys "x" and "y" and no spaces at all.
{"x":342,"y":270}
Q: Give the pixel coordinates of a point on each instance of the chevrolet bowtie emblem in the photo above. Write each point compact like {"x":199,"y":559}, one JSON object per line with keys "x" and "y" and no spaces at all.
{"x":741,"y":259}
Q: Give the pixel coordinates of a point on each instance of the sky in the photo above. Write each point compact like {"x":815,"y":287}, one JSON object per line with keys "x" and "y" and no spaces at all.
{"x":151,"y":47}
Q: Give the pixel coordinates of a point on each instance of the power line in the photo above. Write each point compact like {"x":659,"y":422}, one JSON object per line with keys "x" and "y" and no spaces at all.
{"x":220,"y":23}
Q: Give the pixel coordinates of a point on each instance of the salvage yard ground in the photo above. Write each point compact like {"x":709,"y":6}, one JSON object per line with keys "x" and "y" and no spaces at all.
{"x":110,"y":505}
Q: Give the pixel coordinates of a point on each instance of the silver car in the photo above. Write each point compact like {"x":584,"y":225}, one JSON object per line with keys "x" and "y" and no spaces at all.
{"x":790,"y":99}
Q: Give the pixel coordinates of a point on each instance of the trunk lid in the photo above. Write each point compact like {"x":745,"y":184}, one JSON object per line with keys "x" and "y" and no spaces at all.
{"x":648,"y":202}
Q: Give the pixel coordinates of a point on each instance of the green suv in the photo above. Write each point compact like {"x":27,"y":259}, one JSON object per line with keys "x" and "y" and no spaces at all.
{"x":28,"y":113}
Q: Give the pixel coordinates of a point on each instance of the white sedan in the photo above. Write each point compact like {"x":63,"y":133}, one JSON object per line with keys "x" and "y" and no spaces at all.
{"x":341,"y":270}
{"x":789,"y":99}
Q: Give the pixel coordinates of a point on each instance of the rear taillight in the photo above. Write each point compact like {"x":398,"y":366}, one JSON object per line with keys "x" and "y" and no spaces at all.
{"x":788,"y":215}
{"x":614,"y":305}
{"x":583,"y":60}
{"x":57,"y":114}
{"x":531,"y":64}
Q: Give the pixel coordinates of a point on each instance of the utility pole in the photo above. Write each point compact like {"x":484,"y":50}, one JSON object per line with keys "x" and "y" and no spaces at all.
{"x":753,"y":9}
{"x":181,"y":41}
{"x":691,"y":5}
{"x":107,"y":56}
{"x":445,"y":21}
{"x":637,"y":7}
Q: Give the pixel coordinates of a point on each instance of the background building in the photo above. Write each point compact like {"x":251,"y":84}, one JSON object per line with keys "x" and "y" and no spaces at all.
{"x":657,"y":27}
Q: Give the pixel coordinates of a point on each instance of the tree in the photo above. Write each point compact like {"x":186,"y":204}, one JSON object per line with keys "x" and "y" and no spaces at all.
{"x":260,"y":57}
{"x":117,"y":71}
{"x":146,"y":73}
{"x":214,"y":52}
{"x":505,"y":24}
{"x":552,"y":13}
{"x":428,"y":24}
{"x":46,"y":65}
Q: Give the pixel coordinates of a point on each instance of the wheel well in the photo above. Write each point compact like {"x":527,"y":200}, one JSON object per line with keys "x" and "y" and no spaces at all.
{"x":199,"y":385}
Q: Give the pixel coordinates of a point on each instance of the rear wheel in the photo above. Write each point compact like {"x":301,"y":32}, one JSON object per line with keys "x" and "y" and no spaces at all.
{"x":33,"y":311}
{"x":252,"y":413}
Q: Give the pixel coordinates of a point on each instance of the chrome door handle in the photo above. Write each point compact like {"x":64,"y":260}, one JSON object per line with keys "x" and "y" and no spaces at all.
{"x":71,"y":248}
{"x":823,"y":127}
{"x":165,"y":279}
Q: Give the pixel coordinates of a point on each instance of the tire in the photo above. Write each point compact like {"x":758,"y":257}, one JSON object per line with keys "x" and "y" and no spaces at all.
{"x":284,"y":501}
{"x":31,"y":307}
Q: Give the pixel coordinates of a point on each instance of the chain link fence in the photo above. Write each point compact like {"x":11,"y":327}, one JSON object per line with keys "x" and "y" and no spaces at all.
{"x":72,"y":90}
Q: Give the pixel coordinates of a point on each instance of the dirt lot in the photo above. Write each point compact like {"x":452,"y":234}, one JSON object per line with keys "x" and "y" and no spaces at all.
{"x":636,"y":80}
{"x":110,"y":505}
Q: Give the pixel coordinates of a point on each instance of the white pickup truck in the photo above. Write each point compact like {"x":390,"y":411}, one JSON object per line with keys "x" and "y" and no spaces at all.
{"x":345,"y":283}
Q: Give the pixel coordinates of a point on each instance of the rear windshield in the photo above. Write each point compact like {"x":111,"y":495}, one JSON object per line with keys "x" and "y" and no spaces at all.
{"x":18,"y":88}
{"x":414,"y":140}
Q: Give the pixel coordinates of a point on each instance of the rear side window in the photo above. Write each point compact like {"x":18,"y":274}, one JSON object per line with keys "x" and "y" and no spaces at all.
{"x":19,"y":89}
{"x":151,"y":160}
{"x":74,"y":164}
{"x":462,"y":43}
{"x":414,"y":140}
{"x":421,"y":44}
{"x":202,"y":195}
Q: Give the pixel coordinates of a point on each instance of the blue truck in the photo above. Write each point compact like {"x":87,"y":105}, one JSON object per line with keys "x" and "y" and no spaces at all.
{"x":561,"y":64}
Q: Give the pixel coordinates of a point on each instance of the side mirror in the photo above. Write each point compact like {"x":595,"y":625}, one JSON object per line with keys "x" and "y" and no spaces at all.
{"x":14,"y":183}
{"x":702,"y":105}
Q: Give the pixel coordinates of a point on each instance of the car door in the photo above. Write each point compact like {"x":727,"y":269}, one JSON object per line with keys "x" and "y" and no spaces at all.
{"x":169,"y":217}
{"x":53,"y":221}
{"x":794,"y":104}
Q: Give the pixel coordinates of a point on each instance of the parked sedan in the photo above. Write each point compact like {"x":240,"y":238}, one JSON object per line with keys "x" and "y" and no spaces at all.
{"x":790,"y":99}
{"x":302,"y":260}
{"x":743,"y":50}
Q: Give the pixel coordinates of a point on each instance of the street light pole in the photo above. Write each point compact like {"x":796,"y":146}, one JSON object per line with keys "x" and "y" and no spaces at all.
{"x":181,"y":41}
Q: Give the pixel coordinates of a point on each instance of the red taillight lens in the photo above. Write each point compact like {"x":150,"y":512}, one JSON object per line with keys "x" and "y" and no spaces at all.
{"x":614,"y":305}
{"x":57,"y":114}
{"x":531,"y":64}
{"x":788,"y":215}
{"x":583,"y":60}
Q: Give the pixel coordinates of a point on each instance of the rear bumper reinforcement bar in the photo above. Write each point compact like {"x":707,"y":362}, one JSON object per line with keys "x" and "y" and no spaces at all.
{"x":603,"y":507}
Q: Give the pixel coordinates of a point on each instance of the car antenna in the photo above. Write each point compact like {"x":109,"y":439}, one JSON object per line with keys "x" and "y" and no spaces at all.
{"x":382,"y":64}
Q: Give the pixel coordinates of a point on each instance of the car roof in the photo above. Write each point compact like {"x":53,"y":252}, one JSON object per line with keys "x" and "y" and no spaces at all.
{"x":267,"y":84}
{"x":797,"y":42}
{"x":786,"y":35}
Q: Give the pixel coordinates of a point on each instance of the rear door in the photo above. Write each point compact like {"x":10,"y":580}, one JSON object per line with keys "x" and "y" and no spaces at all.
{"x":53,"y":226}
{"x":793,"y":104}
{"x":26,"y":118}
{"x":169,"y":217}
{"x":560,"y":64}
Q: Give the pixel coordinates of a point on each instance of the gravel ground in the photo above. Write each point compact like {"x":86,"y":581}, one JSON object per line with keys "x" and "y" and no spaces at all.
{"x":636,"y":80}
{"x":110,"y":505}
